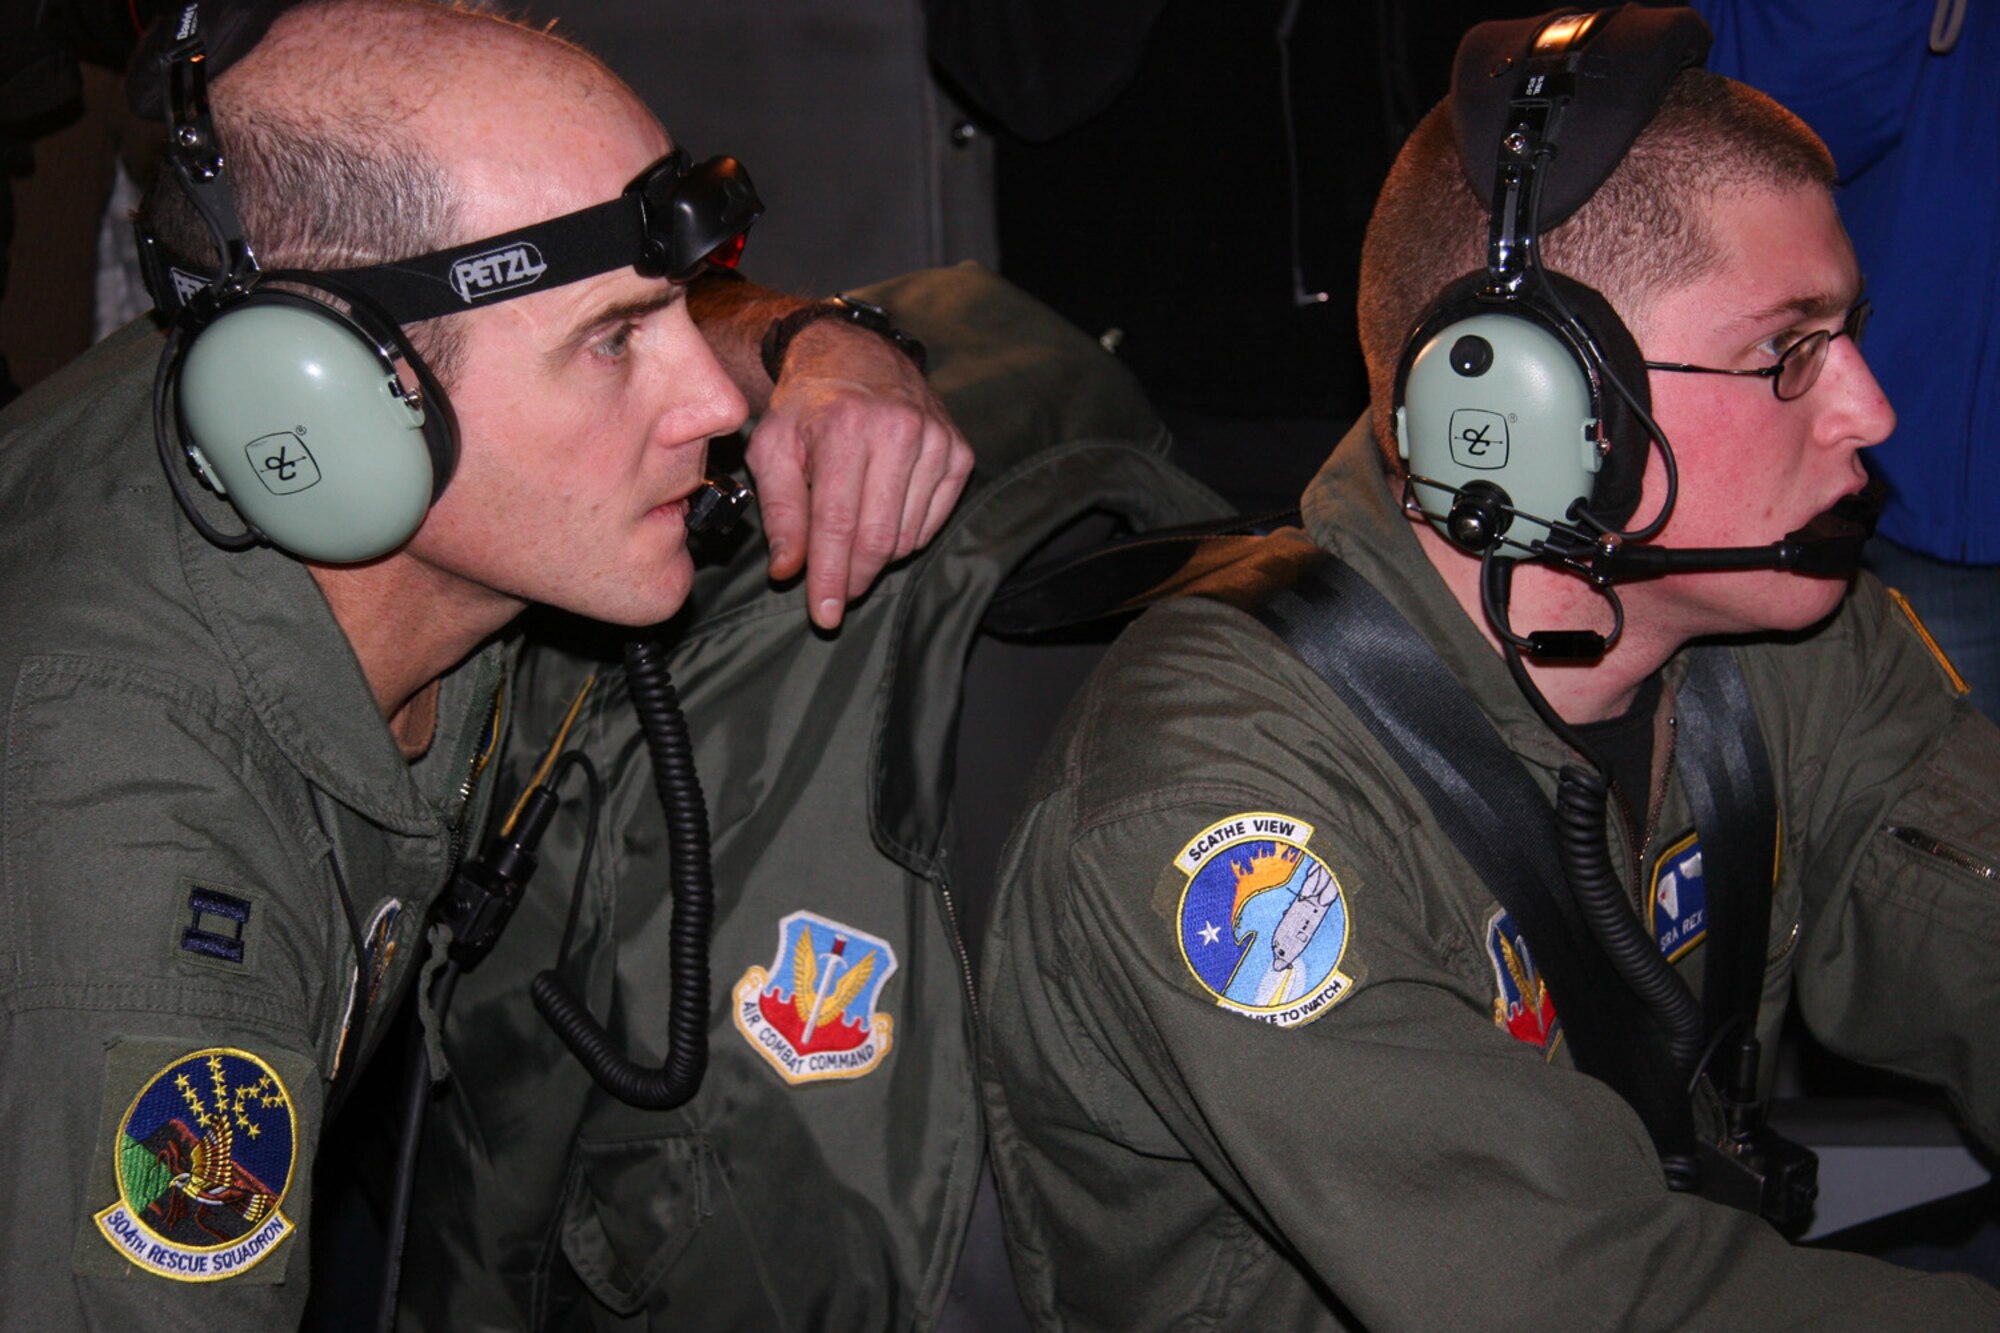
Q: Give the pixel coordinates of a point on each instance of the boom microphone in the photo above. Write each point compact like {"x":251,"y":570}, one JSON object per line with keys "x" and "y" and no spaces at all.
{"x":1829,"y":545}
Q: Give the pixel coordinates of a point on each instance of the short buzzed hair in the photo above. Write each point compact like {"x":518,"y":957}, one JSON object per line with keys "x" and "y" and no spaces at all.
{"x":1643,"y":233}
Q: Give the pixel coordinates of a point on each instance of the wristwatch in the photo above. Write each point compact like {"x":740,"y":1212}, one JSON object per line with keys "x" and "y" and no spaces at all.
{"x":862,"y":314}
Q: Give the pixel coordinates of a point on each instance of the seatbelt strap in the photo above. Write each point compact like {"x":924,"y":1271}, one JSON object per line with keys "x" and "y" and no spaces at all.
{"x":1735,"y":809}
{"x":1504,"y":827}
{"x":1123,"y":576}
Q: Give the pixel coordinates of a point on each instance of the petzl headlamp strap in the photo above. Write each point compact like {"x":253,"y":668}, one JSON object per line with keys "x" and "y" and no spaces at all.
{"x":670,"y":223}
{"x":549,"y":254}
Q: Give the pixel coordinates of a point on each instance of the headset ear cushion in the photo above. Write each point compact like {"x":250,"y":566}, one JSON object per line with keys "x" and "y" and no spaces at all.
{"x":298,"y":413}
{"x":1595,"y":326}
{"x":1617,"y":493}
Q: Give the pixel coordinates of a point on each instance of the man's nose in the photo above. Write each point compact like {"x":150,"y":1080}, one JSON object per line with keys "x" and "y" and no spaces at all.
{"x":1865,"y":415}
{"x":714,"y":405}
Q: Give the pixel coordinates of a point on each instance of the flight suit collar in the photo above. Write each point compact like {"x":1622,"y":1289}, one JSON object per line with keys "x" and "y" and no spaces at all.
{"x":303,"y":681}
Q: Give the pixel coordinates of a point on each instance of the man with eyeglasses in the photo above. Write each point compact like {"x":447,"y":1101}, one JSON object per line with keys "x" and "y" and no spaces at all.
{"x":1899,"y":89}
{"x":1801,"y":356}
{"x":238,"y":776}
{"x":1400,"y":928}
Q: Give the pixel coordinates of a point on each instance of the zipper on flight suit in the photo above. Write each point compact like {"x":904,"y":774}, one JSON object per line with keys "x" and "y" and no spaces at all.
{"x":482,"y":754}
{"x":1656,"y":806}
{"x":1786,"y":945}
{"x":486,"y":741}
{"x":958,"y":944}
{"x":1932,"y":845}
{"x":1928,"y":844}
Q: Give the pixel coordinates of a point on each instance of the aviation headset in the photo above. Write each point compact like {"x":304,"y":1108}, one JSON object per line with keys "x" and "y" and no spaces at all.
{"x":286,"y":394}
{"x":1521,"y":394}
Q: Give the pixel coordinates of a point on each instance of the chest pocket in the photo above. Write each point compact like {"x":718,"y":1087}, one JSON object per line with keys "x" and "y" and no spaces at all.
{"x":631,"y":1210}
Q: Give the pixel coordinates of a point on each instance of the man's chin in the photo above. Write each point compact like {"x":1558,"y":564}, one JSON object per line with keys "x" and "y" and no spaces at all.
{"x":644,"y":599}
{"x":1803,"y":600}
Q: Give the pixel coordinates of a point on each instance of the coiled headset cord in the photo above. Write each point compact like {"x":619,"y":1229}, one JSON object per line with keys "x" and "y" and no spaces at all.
{"x":487,"y":889}
{"x":662,"y":1089}
{"x":1583,"y":846}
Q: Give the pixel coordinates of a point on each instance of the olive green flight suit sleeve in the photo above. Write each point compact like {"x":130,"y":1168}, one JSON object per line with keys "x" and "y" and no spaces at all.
{"x":1897,"y":836}
{"x":158,"y":1104}
{"x":1393,"y":1158}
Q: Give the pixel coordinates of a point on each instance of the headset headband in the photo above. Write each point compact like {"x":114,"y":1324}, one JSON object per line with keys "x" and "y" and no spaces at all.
{"x":1542,"y":93}
{"x":672,"y":221}
{"x":1608,"y":72}
{"x":194,"y":156}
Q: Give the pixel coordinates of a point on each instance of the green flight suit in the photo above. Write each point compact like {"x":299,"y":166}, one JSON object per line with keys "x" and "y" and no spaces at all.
{"x":202,"y":814}
{"x":823,"y":1176}
{"x":1403,"y":1142}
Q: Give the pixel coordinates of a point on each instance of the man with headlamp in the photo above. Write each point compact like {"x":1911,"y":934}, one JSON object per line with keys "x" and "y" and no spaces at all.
{"x":1400,"y":929}
{"x":442,"y":345}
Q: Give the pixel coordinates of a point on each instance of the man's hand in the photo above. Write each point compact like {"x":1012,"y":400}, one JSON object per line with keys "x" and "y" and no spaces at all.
{"x":856,"y":463}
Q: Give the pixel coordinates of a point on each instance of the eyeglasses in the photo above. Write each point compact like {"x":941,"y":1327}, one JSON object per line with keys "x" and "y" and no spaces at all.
{"x":1799,"y":365}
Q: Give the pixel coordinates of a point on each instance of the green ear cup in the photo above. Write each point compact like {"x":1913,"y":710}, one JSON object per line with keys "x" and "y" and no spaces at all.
{"x":1499,"y":399}
{"x":302,"y":424}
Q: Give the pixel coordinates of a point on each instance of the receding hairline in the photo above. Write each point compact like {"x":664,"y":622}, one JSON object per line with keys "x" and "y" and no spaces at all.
{"x":340,"y":125}
{"x":384,"y":59}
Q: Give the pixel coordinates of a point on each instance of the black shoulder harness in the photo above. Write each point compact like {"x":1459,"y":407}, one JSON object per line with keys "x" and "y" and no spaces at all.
{"x":1389,"y":677}
{"x":1503,"y":825}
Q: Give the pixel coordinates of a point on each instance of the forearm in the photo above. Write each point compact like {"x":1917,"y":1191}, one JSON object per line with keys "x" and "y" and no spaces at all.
{"x":733,"y":313}
{"x":855,"y":459}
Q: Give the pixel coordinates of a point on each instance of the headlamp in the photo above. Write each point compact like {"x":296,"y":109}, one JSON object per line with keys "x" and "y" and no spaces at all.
{"x":673,"y":221}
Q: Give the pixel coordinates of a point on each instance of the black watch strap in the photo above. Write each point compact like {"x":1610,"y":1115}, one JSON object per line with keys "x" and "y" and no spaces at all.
{"x":778,"y":337}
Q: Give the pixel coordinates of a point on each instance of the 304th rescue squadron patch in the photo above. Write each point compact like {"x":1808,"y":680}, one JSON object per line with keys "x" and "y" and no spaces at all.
{"x":1263,"y":923}
{"x":204,"y":1156}
{"x":812,"y":1015}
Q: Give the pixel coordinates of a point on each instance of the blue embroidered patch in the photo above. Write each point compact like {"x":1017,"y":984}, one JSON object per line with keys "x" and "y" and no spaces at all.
{"x":205,"y":1154}
{"x":378,"y":946}
{"x":1263,"y":923}
{"x":1677,"y":901}
{"x":811,"y":1015}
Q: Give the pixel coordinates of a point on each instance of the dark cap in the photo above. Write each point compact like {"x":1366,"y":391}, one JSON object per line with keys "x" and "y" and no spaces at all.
{"x":1623,"y":64}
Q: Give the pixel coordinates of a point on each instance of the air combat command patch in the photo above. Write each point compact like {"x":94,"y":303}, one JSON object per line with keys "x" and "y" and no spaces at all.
{"x":1263,"y":923}
{"x":204,"y":1156}
{"x":1522,"y":1006}
{"x":812,"y":1015}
